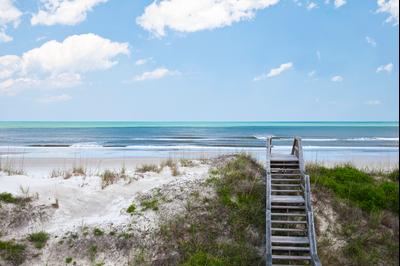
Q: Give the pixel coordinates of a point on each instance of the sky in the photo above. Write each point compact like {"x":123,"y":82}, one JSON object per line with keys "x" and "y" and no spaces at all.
{"x":199,"y":60}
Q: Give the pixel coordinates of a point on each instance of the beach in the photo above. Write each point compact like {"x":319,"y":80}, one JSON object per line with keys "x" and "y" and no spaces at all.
{"x":80,"y":179}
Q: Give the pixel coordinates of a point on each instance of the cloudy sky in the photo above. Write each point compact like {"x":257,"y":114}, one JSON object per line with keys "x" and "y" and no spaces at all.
{"x":267,"y":60}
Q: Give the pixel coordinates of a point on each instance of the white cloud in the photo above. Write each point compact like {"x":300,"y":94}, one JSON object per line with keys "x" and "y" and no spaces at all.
{"x":337,"y":78}
{"x":196,"y":15}
{"x":339,"y":3}
{"x":275,"y":71}
{"x":312,"y":73}
{"x":54,"y":98}
{"x":387,"y":68}
{"x":9,"y":14}
{"x":311,"y":6}
{"x":142,"y":61}
{"x":371,"y":41}
{"x":373,"y":102}
{"x":65,"y":12}
{"x":58,"y":64}
{"x":391,"y":7}
{"x":156,"y":74}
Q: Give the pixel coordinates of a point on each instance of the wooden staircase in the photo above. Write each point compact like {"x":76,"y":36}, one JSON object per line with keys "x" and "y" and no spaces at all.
{"x":290,"y":234}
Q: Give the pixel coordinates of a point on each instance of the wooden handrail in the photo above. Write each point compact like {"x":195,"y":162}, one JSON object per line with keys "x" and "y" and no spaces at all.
{"x":268,"y":242}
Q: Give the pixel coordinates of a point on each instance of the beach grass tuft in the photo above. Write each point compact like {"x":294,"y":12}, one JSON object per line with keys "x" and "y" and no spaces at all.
{"x":148,"y":168}
{"x":39,"y":239}
{"x":12,"y":252}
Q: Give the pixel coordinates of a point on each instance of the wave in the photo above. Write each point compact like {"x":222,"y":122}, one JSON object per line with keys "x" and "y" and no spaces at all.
{"x":337,"y":139}
{"x":86,"y":145}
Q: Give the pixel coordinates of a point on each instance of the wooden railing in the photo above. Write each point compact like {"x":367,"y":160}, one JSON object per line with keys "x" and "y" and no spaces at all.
{"x":297,"y":150}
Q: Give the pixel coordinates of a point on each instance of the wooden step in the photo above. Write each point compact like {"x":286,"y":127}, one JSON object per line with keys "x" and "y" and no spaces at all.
{"x":285,"y":185}
{"x":286,"y":190}
{"x":288,"y":222}
{"x":285,"y":179}
{"x":276,"y":174}
{"x":287,"y":257}
{"x":290,"y":248}
{"x":287,"y":199}
{"x":289,"y":230}
{"x":288,"y":207}
{"x":288,"y":214}
{"x":289,"y":239}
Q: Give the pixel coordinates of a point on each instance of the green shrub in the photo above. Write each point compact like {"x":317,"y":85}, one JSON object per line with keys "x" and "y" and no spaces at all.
{"x":98,"y":232}
{"x":131,"y":209}
{"x":68,"y":260}
{"x":12,"y":252}
{"x":358,"y":187}
{"x":39,"y":239}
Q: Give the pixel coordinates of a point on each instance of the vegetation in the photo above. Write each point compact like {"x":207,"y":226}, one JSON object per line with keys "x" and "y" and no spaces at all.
{"x":187,"y":163}
{"x":39,"y":239}
{"x":358,"y":187}
{"x":149,"y":204}
{"x":366,"y":211}
{"x":98,"y":232}
{"x":9,"y":198}
{"x":68,"y":260}
{"x":78,"y":171}
{"x":107,"y":178}
{"x":148,"y":168}
{"x":12,"y":252}
{"x":131,"y":209}
{"x":225,"y":230}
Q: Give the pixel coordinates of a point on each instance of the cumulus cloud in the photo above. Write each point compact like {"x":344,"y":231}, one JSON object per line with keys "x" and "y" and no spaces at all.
{"x":54,"y":98}
{"x":385,"y":68}
{"x":311,"y":6}
{"x":391,"y":7}
{"x":196,"y":15}
{"x":275,"y":71}
{"x":337,"y":78}
{"x":371,"y":41}
{"x":65,"y":12}
{"x":58,"y":64}
{"x":339,"y":3}
{"x":156,"y":74}
{"x":9,"y":15}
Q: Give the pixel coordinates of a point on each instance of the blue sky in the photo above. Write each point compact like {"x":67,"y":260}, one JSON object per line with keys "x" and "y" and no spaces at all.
{"x":244,"y":60}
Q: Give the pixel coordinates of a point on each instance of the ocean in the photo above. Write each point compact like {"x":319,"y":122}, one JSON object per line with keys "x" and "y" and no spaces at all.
{"x":161,"y":139}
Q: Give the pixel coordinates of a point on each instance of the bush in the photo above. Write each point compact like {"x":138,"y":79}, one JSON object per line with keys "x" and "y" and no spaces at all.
{"x":39,"y":239}
{"x":12,"y":252}
{"x":148,"y":168}
{"x":358,"y":187}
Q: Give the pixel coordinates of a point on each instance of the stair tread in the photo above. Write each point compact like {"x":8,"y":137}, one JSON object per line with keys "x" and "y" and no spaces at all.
{"x":288,"y":214}
{"x":290,"y":257}
{"x":287,"y":199}
{"x":290,"y":248}
{"x":288,"y":222}
{"x":288,"y":229}
{"x":289,"y":239}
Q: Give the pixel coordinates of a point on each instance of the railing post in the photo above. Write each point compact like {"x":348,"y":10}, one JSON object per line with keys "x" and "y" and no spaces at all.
{"x":268,"y":242}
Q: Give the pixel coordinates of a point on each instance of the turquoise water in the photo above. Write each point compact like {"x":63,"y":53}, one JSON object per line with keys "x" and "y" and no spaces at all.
{"x":115,"y":139}
{"x":119,"y":124}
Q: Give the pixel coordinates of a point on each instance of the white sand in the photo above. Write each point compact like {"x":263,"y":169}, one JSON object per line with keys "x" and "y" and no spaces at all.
{"x":81,"y":199}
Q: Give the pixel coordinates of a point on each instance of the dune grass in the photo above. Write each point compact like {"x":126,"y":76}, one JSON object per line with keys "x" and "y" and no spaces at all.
{"x":227,"y":229}
{"x":148,"y":168}
{"x":39,"y":239}
{"x":358,"y":187}
{"x":12,"y":252}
